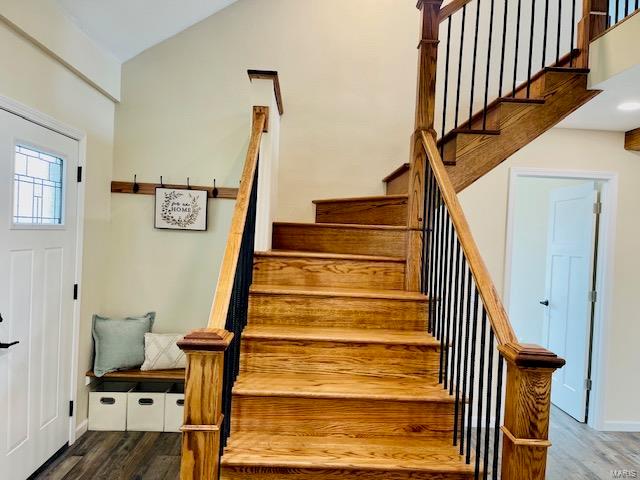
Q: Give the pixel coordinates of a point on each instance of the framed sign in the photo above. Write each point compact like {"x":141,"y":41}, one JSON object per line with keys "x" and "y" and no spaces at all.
{"x":181,"y":209}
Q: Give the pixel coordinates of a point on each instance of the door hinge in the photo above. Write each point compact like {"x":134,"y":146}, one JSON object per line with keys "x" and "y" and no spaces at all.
{"x":588,"y":384}
{"x":79,"y":174}
{"x":71,"y":408}
{"x":593,"y":296}
{"x":75,"y":291}
{"x":597,"y":208}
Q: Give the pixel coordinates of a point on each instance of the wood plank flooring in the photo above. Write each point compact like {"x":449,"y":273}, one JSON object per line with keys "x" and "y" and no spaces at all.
{"x":578,"y":453}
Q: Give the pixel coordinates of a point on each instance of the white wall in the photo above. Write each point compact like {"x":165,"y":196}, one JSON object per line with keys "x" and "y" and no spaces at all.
{"x":347,"y":71}
{"x":47,"y":26}
{"x":579,"y":150}
{"x":529,"y":254}
{"x":36,"y":80}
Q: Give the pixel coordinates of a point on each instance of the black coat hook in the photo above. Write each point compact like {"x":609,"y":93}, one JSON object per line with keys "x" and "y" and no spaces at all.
{"x":188,"y":185}
{"x":161,"y":182}
{"x":214,"y":192}
{"x":136,"y":187}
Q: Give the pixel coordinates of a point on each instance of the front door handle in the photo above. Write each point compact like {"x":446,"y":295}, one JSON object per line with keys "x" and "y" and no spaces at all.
{"x":545,"y":303}
{"x":7,"y":345}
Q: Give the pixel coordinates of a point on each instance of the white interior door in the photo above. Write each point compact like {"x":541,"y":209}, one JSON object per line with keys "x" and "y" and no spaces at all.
{"x":38,"y":202}
{"x":570,"y":253}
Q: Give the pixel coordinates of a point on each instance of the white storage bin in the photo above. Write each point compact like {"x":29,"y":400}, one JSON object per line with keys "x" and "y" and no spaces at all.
{"x":108,"y":406}
{"x":174,"y":408}
{"x":145,"y":407}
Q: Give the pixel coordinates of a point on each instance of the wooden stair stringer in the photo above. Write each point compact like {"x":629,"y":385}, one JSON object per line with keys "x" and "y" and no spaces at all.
{"x":482,"y":155}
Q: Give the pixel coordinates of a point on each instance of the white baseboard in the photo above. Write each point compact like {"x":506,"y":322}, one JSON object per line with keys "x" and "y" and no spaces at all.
{"x":82,"y":429}
{"x":621,"y":426}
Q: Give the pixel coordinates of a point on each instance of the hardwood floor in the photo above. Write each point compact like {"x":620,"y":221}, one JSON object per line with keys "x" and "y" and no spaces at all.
{"x":578,"y":453}
{"x":119,"y":456}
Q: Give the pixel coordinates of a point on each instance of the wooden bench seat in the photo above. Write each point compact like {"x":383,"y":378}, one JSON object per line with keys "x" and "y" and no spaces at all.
{"x":176,"y":375}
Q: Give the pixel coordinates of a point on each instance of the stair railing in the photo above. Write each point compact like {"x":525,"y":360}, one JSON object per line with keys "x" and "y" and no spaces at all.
{"x":465,"y":311}
{"x":213,"y":353}
{"x":476,"y":338}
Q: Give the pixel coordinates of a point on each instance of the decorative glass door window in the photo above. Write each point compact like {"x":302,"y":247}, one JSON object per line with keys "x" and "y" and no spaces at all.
{"x":37,"y":188}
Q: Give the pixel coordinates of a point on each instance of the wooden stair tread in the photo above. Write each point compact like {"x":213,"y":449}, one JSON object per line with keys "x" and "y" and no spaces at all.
{"x":534,"y":100}
{"x":340,"y":335}
{"x":339,"y":386}
{"x":571,"y":70}
{"x":334,"y":256}
{"x":338,"y":292}
{"x":371,"y":198}
{"x":398,"y":171}
{"x":355,"y":226}
{"x":373,"y":453}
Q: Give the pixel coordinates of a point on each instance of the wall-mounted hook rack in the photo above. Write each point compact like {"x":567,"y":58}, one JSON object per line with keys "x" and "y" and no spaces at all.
{"x":150,"y":188}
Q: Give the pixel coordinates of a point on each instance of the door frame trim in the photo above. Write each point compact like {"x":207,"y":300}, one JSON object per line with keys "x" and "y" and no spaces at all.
{"x":39,"y":118}
{"x":604,"y":271}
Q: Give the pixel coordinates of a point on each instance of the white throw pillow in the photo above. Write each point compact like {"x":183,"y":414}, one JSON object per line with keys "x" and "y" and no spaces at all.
{"x":162,"y":353}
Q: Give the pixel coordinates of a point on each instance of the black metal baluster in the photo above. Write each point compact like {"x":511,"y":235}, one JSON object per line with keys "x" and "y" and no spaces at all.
{"x":480,"y":388}
{"x":559,"y":31}
{"x":626,"y":8}
{"x":464,"y":18}
{"x":504,"y":44}
{"x":544,"y":36}
{"x":617,"y":11}
{"x":445,"y":304}
{"x":446,"y":86}
{"x":486,"y":78}
{"x":472,"y":374}
{"x":454,"y":321}
{"x":517,"y":53}
{"x":573,"y":31}
{"x":473,"y":65}
{"x":533,"y":24}
{"x":441,"y":261}
{"x":487,"y":420}
{"x":432,"y":259}
{"x":460,"y":323}
{"x":426,"y":226}
{"x":466,"y":360}
{"x":447,"y":341}
{"x":496,"y":429}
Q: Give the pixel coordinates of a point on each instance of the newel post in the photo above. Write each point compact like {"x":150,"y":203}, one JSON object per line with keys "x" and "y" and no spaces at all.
{"x":595,"y":15}
{"x":527,"y":410}
{"x":425,"y":112}
{"x":203,"y":402}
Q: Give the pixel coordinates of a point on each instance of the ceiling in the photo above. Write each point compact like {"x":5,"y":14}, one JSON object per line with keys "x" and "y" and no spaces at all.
{"x":601,"y":113}
{"x":127,"y":27}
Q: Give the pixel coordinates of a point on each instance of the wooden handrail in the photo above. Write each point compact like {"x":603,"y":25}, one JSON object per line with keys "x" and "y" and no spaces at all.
{"x":451,"y":8}
{"x":495,"y":310}
{"x":224,"y":288}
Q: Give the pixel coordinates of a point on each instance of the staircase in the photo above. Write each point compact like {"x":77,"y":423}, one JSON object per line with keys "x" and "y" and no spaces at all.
{"x":338,"y":375}
{"x":372,"y":343}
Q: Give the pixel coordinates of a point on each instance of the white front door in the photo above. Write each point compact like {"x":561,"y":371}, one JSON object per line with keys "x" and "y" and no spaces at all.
{"x":570,"y":255}
{"x":38,"y":224}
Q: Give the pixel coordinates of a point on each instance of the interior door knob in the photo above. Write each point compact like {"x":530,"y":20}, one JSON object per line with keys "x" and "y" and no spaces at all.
{"x":544,"y":302}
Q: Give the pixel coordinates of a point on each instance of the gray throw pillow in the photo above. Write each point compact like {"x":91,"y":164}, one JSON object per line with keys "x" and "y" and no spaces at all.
{"x":119,"y":343}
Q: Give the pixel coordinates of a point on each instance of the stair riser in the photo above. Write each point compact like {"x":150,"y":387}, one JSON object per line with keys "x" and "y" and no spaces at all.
{"x":362,"y":241}
{"x":339,"y":312}
{"x":399,"y":185}
{"x":310,"y":272}
{"x":506,"y":112}
{"x":301,"y":356}
{"x":391,"y":211}
{"x":308,"y":416}
{"x":275,"y":473}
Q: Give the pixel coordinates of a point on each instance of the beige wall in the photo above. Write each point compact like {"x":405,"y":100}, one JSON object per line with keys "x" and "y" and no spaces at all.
{"x":38,"y":81}
{"x":347,"y":71}
{"x":579,"y":150}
